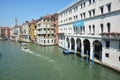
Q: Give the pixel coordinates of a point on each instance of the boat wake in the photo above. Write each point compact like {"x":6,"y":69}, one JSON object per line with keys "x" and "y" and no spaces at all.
{"x":46,"y":58}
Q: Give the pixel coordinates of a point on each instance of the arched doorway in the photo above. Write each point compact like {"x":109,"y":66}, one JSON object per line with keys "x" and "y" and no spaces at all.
{"x":97,"y":49}
{"x":86,"y":46}
{"x":78,"y":45}
{"x":72,"y":44}
{"x":68,"y":43}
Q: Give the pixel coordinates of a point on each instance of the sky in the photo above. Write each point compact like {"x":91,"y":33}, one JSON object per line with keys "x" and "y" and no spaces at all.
{"x":26,"y":10}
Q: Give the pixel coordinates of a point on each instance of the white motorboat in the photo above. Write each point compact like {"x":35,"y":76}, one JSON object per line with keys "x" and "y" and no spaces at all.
{"x":25,"y":48}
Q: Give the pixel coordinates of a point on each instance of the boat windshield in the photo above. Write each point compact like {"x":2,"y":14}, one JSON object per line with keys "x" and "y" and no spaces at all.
{"x":23,"y":44}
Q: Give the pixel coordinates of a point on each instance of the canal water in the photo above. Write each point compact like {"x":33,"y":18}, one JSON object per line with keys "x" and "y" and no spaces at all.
{"x":47,"y":63}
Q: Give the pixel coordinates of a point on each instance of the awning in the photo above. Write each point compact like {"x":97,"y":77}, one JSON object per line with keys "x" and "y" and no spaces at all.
{"x":78,"y":23}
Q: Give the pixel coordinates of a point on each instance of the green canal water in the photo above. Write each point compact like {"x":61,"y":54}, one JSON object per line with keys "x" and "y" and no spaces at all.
{"x":47,"y":63}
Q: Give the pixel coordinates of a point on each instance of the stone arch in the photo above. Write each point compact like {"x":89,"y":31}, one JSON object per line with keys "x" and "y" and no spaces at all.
{"x":72,"y":43}
{"x":97,"y":49}
{"x":86,"y":43}
{"x":68,"y":42}
{"x":78,"y":41}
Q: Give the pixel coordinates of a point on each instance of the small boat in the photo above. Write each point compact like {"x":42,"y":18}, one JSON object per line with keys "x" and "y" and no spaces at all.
{"x":68,"y":51}
{"x":25,"y":48}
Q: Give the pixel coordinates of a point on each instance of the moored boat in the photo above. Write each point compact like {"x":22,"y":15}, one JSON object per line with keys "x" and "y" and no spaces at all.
{"x":66,"y":51}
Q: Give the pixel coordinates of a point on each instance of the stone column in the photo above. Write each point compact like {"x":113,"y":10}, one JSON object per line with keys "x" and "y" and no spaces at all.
{"x":91,"y":52}
{"x":75,"y":50}
{"x":82,"y":48}
{"x":70,"y":44}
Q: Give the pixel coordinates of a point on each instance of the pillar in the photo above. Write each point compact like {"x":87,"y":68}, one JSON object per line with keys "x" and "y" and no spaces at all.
{"x":70,"y":44}
{"x":82,"y":49}
{"x":91,"y":52}
{"x":75,"y":49}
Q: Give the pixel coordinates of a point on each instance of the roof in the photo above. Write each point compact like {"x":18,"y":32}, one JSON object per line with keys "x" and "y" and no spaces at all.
{"x":70,"y":5}
{"x":48,"y":16}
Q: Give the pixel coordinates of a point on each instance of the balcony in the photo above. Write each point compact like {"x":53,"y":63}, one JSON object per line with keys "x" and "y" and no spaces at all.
{"x":41,"y":32}
{"x":50,"y":32}
{"x":40,"y":27}
{"x":113,"y":34}
{"x":60,"y":33}
{"x":110,"y":35}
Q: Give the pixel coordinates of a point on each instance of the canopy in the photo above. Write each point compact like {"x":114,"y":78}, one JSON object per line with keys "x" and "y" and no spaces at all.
{"x":78,"y":23}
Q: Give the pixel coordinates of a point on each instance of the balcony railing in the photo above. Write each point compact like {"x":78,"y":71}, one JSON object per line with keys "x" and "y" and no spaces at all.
{"x":111,"y":35}
{"x":40,"y":27}
{"x":41,"y":32}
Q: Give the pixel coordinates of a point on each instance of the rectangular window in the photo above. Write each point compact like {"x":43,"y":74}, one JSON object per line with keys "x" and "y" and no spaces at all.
{"x":76,"y":17}
{"x":84,"y":4}
{"x":81,"y":5}
{"x":76,"y":8}
{"x":93,"y":12}
{"x":119,"y":58}
{"x":107,"y":44}
{"x":69,"y":19}
{"x":83,"y":29}
{"x":109,"y":7}
{"x":101,"y":10}
{"x":93,"y":1}
{"x":90,"y":13}
{"x":89,"y":1}
{"x":93,"y":29}
{"x":107,"y":55}
{"x":101,"y":28}
{"x":119,"y":45}
{"x":84,"y":15}
{"x":81,"y":16}
{"x":80,"y":30}
{"x":89,"y":29}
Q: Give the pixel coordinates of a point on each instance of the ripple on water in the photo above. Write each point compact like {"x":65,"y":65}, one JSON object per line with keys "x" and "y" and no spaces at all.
{"x":47,"y":61}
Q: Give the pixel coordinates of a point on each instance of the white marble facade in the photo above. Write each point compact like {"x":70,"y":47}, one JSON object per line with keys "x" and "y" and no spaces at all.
{"x":93,"y":26}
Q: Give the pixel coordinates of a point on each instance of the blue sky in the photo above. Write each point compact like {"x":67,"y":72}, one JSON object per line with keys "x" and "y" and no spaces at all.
{"x":28,"y":9}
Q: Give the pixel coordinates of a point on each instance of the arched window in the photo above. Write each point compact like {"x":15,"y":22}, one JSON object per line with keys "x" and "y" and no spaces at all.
{"x":93,"y":28}
{"x":48,"y":41}
{"x":44,"y":41}
{"x":83,"y":29}
{"x":101,"y":28}
{"x":108,"y":27}
{"x":89,"y":28}
{"x":52,"y":41}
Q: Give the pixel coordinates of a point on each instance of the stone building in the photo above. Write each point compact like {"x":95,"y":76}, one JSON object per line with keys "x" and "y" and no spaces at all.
{"x":92,"y":27}
{"x":47,"y":29}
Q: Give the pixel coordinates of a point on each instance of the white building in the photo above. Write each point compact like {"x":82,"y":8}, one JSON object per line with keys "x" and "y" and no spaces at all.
{"x":92,"y":26}
{"x":25,"y":32}
{"x":15,"y":33}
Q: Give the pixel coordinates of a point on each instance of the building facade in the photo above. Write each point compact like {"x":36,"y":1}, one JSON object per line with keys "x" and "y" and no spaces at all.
{"x":25,"y":32}
{"x":4,"y":33}
{"x":33,"y":31}
{"x":91,"y":27}
{"x":15,"y":33}
{"x":47,"y":30}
